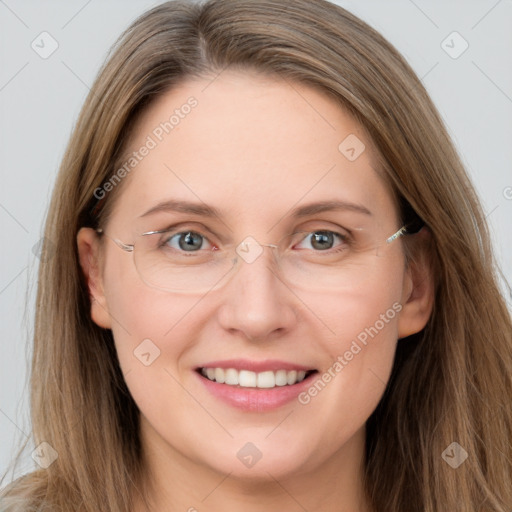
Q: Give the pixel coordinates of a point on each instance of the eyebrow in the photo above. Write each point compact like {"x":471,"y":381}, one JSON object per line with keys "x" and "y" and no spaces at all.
{"x":202,"y":209}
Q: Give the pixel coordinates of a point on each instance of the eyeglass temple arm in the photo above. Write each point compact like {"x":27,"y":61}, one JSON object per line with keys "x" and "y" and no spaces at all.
{"x":410,"y":228}
{"x":121,"y":245}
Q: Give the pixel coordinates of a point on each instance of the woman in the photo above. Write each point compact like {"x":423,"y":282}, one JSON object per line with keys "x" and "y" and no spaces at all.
{"x":272,"y":286}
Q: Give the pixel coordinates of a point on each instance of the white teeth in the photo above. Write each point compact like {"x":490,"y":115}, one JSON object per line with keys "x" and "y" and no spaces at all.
{"x":231,"y":377}
{"x":248,"y":379}
{"x":281,"y":379}
{"x":219,"y":375}
{"x":291,"y":377}
{"x":266,"y":380}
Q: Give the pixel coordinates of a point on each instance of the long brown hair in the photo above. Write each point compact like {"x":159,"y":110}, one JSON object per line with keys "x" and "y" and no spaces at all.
{"x":452,"y":382}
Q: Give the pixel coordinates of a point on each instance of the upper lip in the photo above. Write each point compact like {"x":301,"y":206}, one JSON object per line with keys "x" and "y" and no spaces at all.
{"x":256,"y":366}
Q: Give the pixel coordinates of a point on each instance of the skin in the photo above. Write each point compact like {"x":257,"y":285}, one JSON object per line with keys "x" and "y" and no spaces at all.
{"x":254,"y":148}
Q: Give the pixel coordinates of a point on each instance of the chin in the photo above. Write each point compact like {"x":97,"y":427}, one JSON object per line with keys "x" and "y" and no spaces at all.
{"x":261,"y":461}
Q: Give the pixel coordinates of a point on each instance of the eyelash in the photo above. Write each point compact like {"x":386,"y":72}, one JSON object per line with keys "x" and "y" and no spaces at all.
{"x":344,"y":238}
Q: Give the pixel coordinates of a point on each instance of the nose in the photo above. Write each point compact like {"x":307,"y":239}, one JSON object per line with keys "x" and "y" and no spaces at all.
{"x":256,"y":301}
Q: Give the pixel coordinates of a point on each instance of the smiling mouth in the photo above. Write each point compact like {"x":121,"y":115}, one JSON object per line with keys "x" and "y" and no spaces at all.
{"x":258,"y":380}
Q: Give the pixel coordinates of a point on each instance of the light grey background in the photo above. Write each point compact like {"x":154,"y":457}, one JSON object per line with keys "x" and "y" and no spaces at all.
{"x":40,"y":99}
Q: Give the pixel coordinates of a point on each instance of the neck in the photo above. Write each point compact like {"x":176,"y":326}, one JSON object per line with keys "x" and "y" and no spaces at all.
{"x":178,"y":484}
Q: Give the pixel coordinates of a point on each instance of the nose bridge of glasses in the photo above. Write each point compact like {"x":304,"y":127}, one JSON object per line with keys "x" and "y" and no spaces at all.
{"x":274,"y":247}
{"x":249,"y":249}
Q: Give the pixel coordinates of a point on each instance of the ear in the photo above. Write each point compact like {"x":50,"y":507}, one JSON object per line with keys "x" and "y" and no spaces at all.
{"x":90,"y":260}
{"x":419,"y":287}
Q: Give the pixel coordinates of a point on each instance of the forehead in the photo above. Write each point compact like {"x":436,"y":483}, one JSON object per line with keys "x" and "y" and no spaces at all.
{"x":249,"y":145}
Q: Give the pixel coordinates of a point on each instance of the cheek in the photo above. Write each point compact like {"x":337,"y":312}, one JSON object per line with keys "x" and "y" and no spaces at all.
{"x":373,"y":305}
{"x":360,"y":356}
{"x":145,"y":321}
{"x":153,"y":335}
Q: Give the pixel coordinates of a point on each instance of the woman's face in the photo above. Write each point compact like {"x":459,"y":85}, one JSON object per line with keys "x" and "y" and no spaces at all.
{"x":255,"y":150}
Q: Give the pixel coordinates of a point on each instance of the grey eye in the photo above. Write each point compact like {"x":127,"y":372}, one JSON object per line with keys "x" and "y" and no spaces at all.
{"x":187,"y":241}
{"x":321,"y":240}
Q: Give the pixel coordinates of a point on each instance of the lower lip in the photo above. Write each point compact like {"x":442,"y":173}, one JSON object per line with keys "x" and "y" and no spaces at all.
{"x":256,"y":399}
